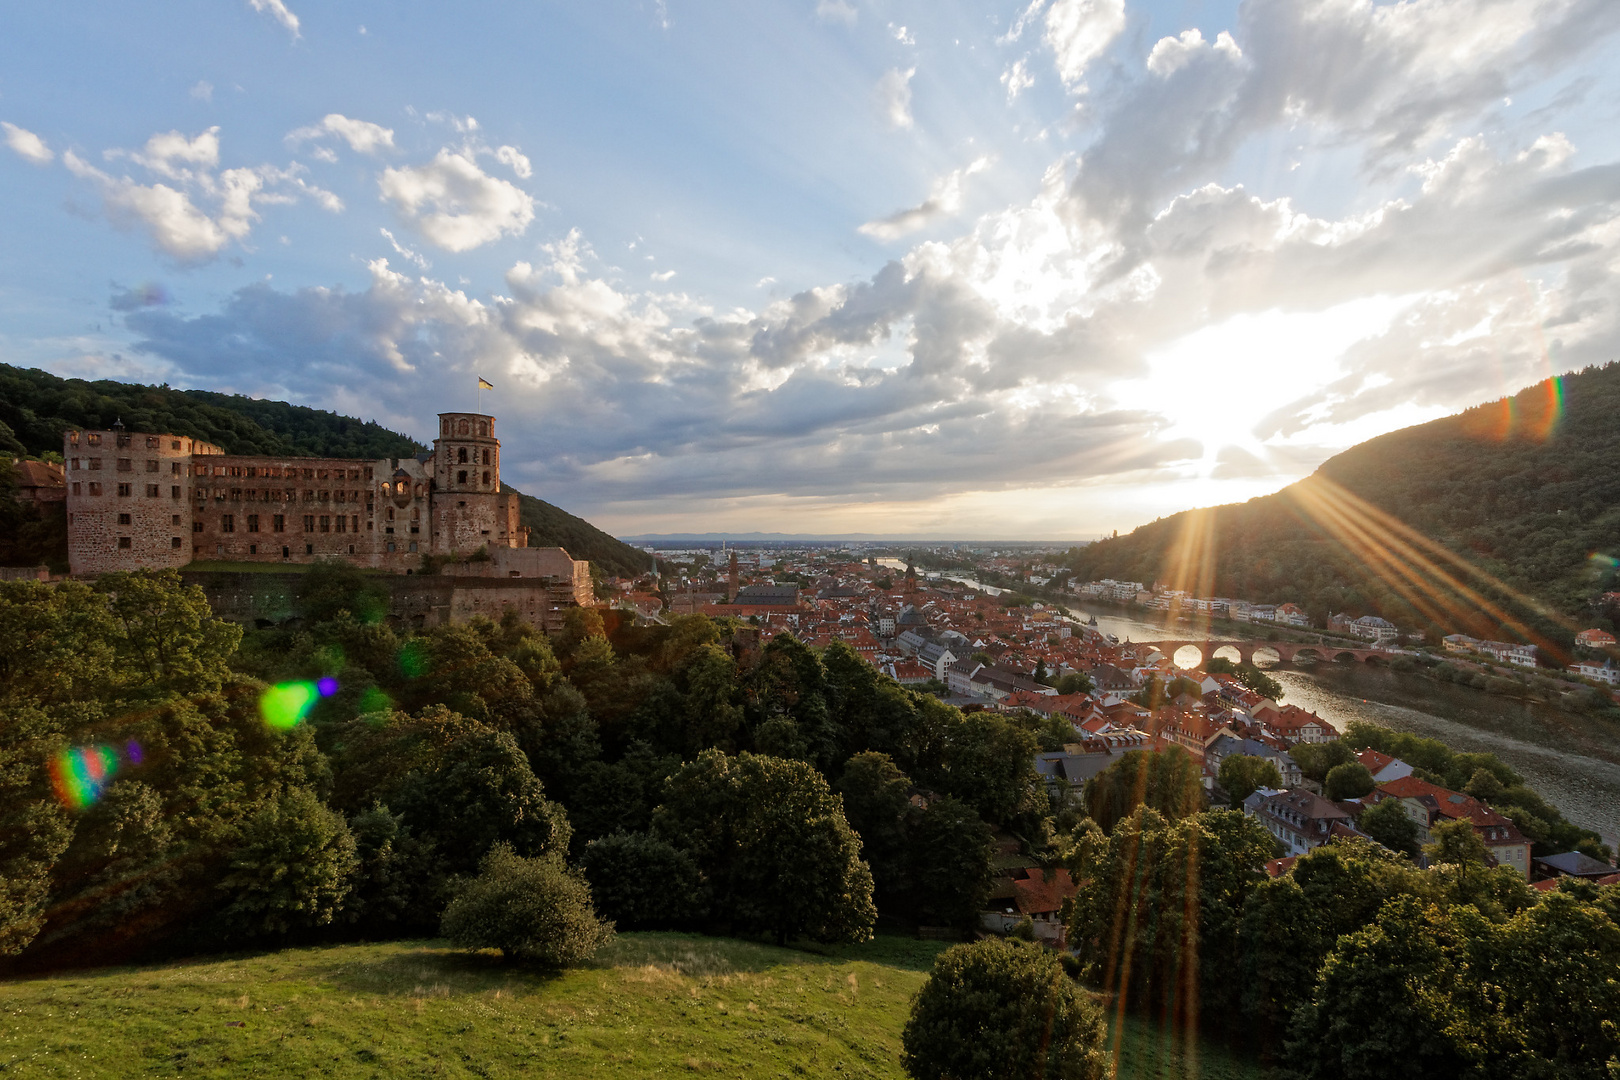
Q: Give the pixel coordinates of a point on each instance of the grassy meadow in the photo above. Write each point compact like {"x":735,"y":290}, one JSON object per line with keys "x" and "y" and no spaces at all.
{"x":650,"y":1005}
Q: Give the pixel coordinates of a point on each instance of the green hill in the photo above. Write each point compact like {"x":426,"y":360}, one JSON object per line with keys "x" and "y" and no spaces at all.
{"x":36,"y":407}
{"x":1502,"y":522}
{"x":651,"y":1005}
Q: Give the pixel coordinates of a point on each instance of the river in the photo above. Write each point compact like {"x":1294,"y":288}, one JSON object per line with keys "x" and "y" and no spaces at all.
{"x":1571,"y":761}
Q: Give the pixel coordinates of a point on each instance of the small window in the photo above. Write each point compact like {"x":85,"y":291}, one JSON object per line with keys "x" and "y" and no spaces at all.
{"x":309,"y":522}
{"x":126,"y":464}
{"x":309,"y":549}
{"x":462,"y":427}
{"x":151,"y":464}
{"x":123,"y":519}
{"x":486,"y":477}
{"x":342,"y":523}
{"x":326,"y":523}
{"x":75,"y":464}
{"x":151,"y":442}
{"x":175,"y":445}
{"x":174,"y":491}
{"x":253,"y":522}
{"x":227,"y":523}
{"x":94,"y":464}
{"x":125,"y":490}
{"x":174,"y":542}
{"x":253,"y":549}
{"x":486,"y":457}
{"x":461,"y":456}
{"x":94,"y":438}
{"x":76,"y":487}
{"x":196,"y":526}
{"x":125,"y":542}
{"x":461,"y":476}
{"x":174,"y":519}
{"x":278,"y":523}
{"x":153,"y":491}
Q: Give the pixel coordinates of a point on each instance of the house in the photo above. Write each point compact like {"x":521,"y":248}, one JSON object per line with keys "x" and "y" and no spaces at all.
{"x":1606,"y":672}
{"x":1595,"y":639}
{"x":1226,"y":745}
{"x":910,"y":673}
{"x":1303,"y":820}
{"x":1294,"y":724}
{"x":937,"y":658}
{"x":1571,"y":864}
{"x":1290,"y":615}
{"x":1430,"y":804}
{"x":1376,"y":630}
{"x":1035,"y":893}
{"x":1383,"y":767}
{"x":40,"y":482}
{"x":775,"y":596}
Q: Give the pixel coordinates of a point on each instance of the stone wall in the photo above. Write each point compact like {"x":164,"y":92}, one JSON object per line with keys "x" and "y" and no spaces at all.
{"x":129,"y":500}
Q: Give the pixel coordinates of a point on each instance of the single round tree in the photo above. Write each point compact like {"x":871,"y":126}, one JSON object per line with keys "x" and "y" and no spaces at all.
{"x":530,"y":909}
{"x":1390,"y":825}
{"x":1003,"y":1010}
{"x":1349,"y":781}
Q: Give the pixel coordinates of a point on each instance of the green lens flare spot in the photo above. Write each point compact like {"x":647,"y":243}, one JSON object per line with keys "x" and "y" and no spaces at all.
{"x":286,"y":704}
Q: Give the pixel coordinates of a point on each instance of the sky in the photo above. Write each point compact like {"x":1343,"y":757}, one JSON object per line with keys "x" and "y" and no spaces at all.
{"x":1036,"y":270}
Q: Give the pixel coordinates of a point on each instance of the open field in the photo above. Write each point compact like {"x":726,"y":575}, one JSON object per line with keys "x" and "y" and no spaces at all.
{"x":652,"y":1004}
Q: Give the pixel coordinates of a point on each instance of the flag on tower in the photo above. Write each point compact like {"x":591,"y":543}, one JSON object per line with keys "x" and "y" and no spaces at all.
{"x":485,"y":384}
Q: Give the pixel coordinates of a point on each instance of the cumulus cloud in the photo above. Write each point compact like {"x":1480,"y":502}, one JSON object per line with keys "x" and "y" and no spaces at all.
{"x":1078,"y":31}
{"x":944,"y":198}
{"x":277,"y":10}
{"x":1017,"y":79}
{"x":894,"y":97}
{"x":30,"y":147}
{"x":513,"y":158}
{"x":362,"y":136}
{"x":455,"y":204}
{"x":202,"y":208}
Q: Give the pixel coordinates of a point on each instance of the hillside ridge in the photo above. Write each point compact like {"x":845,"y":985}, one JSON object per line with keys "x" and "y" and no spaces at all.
{"x":1499,"y":521}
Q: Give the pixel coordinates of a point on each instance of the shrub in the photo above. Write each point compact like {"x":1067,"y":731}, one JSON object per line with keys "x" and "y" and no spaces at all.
{"x":644,"y":883}
{"x":532,"y":909}
{"x":1002,"y":1009}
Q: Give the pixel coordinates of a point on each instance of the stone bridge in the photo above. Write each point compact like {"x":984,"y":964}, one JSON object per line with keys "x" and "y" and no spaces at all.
{"x":1287,"y":651}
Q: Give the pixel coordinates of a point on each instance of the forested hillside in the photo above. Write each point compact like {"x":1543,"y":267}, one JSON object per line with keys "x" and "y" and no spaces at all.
{"x":1502,"y":521}
{"x":36,"y":407}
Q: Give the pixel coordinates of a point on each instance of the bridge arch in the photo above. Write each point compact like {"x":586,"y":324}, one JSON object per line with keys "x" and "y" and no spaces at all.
{"x":1227,"y":650}
{"x":1187,"y":656}
{"x":1309,"y":653}
{"x":1345,"y":656}
{"x":1265,"y":654}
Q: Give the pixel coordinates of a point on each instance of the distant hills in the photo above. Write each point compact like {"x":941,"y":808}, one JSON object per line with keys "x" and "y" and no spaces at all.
{"x":1502,"y":521}
{"x":36,"y":407}
{"x":829,"y":538}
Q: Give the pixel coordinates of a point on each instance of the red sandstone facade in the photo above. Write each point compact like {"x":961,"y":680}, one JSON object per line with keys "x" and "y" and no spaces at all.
{"x":137,"y":500}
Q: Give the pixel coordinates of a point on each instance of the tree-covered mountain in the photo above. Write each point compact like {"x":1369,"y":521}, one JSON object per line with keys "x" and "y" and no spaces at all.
{"x":36,"y":407}
{"x":1502,"y":521}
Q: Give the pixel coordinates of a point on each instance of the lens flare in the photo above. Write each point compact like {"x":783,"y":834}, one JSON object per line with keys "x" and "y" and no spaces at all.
{"x":79,"y":775}
{"x":285,"y":705}
{"x":413,"y":659}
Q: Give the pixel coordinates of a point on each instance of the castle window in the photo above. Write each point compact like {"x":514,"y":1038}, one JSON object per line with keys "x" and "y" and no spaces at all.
{"x":76,"y":487}
{"x":326,"y":523}
{"x":75,"y":464}
{"x":461,"y":476}
{"x":227,"y":523}
{"x":401,"y":488}
{"x":253,"y":523}
{"x":196,"y":526}
{"x":126,"y":465}
{"x":461,"y":456}
{"x":123,"y":519}
{"x":174,"y":468}
{"x":463,"y":427}
{"x":486,"y":478}
{"x":125,"y":489}
{"x":278,"y":523}
{"x":356,"y":522}
{"x":390,"y":513}
{"x":73,"y":437}
{"x":486,"y":457}
{"x":253,"y":549}
{"x":151,"y":465}
{"x":174,"y":519}
{"x":94,"y":439}
{"x":174,"y":541}
{"x":175,"y":445}
{"x":309,"y":549}
{"x":483,"y":428}
{"x":174,"y":491}
{"x":152,"y":491}
{"x":341,"y":522}
{"x":309,"y":522}
{"x":125,"y":543}
{"x":339,"y":496}
{"x":151,"y":442}
{"x":413,"y":545}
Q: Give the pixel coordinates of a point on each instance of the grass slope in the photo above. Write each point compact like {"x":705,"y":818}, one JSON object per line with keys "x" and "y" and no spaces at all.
{"x":651,"y":1005}
{"x":36,"y":407}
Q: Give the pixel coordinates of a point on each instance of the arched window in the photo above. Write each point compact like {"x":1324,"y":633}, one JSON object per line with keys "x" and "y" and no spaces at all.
{"x":461,"y":456}
{"x":486,"y":457}
{"x":402,"y":487}
{"x":463,"y":427}
{"x":483,"y":429}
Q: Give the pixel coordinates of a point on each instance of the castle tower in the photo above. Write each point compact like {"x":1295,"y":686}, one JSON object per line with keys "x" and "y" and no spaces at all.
{"x":469,"y":510}
{"x":129,"y":504}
